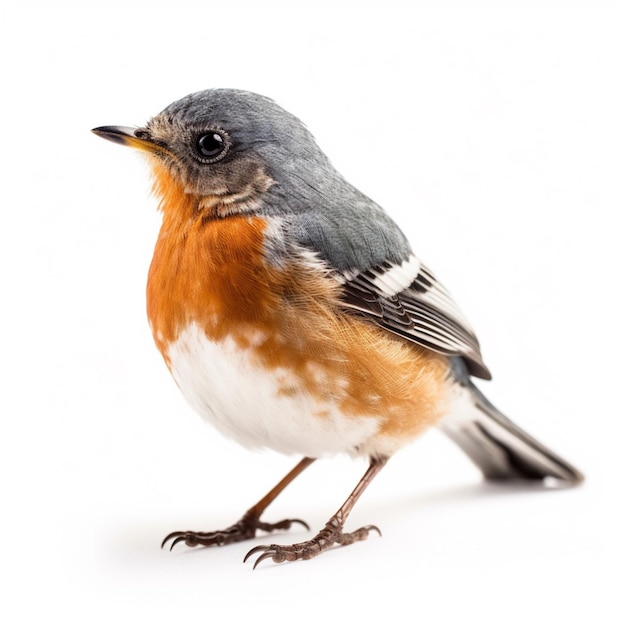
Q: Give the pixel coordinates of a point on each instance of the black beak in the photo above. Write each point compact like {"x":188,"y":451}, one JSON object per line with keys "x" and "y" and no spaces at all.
{"x":128,"y":136}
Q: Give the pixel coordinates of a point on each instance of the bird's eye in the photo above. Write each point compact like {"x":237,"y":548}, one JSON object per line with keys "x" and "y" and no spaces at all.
{"x":211,"y":146}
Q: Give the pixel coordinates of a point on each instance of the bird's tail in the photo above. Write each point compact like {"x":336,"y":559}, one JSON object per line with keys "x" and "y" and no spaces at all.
{"x":502,"y":450}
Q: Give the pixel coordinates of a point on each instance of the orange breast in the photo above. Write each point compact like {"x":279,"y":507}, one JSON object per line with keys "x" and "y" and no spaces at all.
{"x":212,"y":273}
{"x":207,"y":271}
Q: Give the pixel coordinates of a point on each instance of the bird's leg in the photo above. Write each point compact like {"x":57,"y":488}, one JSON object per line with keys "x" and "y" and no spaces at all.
{"x":247,"y":526}
{"x":331,"y":534}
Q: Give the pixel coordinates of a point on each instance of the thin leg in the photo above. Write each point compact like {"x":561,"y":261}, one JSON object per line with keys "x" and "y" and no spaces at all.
{"x":247,"y":526}
{"x":332,"y":532}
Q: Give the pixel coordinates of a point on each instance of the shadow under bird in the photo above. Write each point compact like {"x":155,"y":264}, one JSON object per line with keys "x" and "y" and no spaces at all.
{"x":293,"y":314}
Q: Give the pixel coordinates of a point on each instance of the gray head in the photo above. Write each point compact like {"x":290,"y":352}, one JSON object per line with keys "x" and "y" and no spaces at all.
{"x":224,"y":139}
{"x":235,"y":152}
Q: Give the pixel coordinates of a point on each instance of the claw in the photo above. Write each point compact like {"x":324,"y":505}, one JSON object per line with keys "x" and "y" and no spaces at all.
{"x":273,"y":552}
{"x":180,"y":539}
{"x":285,"y":524}
{"x":371,"y":527}
{"x":173,"y":535}
{"x":268,"y":555}
{"x":254,"y":551}
{"x":331,"y":534}
{"x":298,"y":521}
{"x":245,"y":528}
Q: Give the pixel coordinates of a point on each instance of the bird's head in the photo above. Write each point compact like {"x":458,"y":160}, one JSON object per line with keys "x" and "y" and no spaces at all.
{"x":223,"y":149}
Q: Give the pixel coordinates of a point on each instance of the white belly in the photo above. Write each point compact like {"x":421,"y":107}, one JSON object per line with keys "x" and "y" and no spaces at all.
{"x":257,"y":407}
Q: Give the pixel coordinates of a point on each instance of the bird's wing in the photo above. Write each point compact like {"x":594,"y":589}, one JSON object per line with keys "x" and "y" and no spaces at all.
{"x":408,"y":300}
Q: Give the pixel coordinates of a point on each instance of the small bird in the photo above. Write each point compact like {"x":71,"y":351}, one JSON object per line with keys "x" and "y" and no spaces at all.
{"x":293,"y":314}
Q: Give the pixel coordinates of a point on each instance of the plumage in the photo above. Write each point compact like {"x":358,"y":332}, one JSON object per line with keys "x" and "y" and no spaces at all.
{"x":422,"y":312}
{"x":293,"y":314}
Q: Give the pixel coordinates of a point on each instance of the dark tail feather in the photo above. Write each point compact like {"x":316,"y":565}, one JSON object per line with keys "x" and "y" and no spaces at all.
{"x":502,"y":450}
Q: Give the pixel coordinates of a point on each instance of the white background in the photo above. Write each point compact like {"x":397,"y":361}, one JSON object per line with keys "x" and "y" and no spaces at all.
{"x":495,"y":136}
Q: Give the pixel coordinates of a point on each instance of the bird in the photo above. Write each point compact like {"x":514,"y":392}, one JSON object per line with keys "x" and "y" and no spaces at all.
{"x":294,"y":315}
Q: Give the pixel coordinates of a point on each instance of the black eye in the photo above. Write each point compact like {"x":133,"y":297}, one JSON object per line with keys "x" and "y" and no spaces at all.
{"x":211,"y":146}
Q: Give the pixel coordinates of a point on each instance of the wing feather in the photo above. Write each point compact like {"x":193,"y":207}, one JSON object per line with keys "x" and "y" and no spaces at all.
{"x":409,"y":301}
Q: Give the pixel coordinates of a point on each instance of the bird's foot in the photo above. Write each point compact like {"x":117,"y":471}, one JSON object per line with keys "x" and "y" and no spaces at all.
{"x":244,"y":529}
{"x":330,"y":535}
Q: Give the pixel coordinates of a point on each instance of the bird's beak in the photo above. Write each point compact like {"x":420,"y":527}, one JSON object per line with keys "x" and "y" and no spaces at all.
{"x":133,"y":137}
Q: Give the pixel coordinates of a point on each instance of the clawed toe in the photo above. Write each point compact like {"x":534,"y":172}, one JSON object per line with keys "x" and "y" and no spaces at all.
{"x":177,"y":537}
{"x":330,"y":535}
{"x":244,"y":529}
{"x":267,"y":553}
{"x":193,"y":539}
{"x":278,"y":554}
{"x":285,"y":524}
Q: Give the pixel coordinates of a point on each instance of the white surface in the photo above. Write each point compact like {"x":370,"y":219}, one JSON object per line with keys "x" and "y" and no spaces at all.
{"x":494,"y":136}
